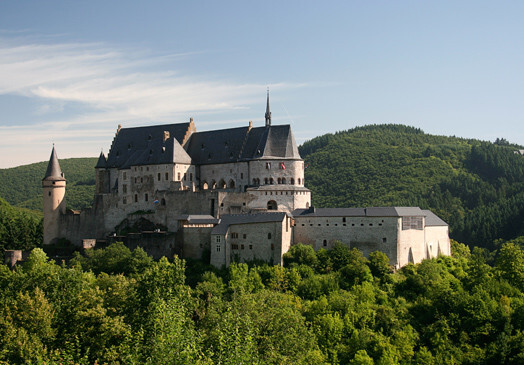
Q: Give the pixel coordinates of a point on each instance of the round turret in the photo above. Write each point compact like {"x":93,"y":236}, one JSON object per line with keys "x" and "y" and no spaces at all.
{"x":53,"y":185}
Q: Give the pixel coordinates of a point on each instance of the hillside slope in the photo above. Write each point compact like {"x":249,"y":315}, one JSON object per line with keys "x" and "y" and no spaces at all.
{"x":22,"y":185}
{"x":477,"y":187}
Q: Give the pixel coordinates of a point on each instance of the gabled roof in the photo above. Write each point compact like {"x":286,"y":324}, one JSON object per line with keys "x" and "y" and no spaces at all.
{"x":360,"y":212}
{"x":53,"y":171}
{"x":432,"y":220}
{"x":219,"y":146}
{"x":230,"y":219}
{"x":198,"y":219}
{"x":146,"y":145}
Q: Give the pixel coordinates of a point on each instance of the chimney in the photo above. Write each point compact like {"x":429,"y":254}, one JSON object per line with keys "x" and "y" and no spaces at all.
{"x":250,"y":124}
{"x":166,"y":135}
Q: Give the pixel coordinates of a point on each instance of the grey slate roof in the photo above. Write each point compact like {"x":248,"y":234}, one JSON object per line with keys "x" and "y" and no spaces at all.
{"x":219,"y":146}
{"x":360,"y":212}
{"x":145,"y":145}
{"x":102,"y":162}
{"x":229,"y":219}
{"x":432,"y":220}
{"x":242,"y":144}
{"x":198,"y":219}
{"x":53,"y":172}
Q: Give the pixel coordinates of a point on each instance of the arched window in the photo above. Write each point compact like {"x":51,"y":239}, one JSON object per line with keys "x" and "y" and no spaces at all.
{"x":265,"y":181}
{"x":205,"y":186}
{"x":298,"y":181}
{"x":279,"y":181}
{"x":231,"y":184}
{"x":283,"y":180}
{"x":222,"y":184}
{"x":271,"y":181}
{"x":213,"y":184}
{"x":292,"y":181}
{"x":254,"y":181}
{"x":272,"y":205}
{"x":163,"y":201}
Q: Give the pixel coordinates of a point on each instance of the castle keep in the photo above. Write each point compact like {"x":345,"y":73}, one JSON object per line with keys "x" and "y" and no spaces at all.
{"x":237,"y":194}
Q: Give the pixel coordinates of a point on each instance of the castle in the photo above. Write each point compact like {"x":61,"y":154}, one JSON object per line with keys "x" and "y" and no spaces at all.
{"x":233,"y":194}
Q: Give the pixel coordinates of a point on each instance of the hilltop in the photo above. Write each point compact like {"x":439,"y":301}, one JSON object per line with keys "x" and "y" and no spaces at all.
{"x":476,"y":186}
{"x":22,"y":185}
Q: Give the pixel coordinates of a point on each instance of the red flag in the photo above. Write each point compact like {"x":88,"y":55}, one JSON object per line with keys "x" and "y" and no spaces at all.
{"x":282,"y":166}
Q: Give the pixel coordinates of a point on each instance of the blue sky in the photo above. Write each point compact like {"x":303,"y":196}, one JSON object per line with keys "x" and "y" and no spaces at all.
{"x":71,"y":71}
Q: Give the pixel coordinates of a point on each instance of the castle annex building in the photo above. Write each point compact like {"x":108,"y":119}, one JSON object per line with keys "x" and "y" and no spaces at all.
{"x":238,"y":194}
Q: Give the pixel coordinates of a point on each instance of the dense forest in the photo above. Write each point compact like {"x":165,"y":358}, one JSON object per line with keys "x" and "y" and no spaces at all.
{"x":20,"y":229}
{"x":22,"y":185}
{"x":115,"y":306}
{"x":477,"y":187}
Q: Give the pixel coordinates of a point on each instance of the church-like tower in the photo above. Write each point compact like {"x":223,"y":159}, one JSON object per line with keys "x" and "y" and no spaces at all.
{"x":53,"y":185}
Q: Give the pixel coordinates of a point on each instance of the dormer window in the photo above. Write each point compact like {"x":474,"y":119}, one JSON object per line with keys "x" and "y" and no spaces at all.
{"x":163,"y":149}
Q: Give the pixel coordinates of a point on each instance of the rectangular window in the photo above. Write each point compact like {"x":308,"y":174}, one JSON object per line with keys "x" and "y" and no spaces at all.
{"x":234,"y":246}
{"x":124,"y":188}
{"x":158,"y":176}
{"x":250,"y":247}
{"x":146,"y":197}
{"x":178,"y":176}
{"x":125,"y":175}
{"x":412,"y":223}
{"x":244,"y":236}
{"x":167,"y":176}
{"x":185,"y":177}
{"x":191,"y":176}
{"x":234,"y":235}
{"x":384,"y":240}
{"x":241,"y":247}
{"x":124,"y":200}
{"x":218,"y":248}
{"x":217,"y":239}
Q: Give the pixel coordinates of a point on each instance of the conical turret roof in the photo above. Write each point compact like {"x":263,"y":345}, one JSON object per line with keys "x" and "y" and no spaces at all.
{"x":53,"y":171}
{"x":102,"y":162}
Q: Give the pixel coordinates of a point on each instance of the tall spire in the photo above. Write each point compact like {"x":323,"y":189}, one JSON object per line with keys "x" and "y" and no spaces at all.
{"x":53,"y":171}
{"x":268,"y":112}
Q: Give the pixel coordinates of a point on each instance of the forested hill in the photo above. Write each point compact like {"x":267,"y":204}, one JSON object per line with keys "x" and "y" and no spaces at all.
{"x":477,"y":187}
{"x":22,"y":186}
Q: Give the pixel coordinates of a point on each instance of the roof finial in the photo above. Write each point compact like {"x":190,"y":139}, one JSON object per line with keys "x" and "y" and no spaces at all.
{"x":268,"y":112}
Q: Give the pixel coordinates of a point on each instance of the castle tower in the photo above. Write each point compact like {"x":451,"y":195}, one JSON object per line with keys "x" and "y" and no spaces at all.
{"x":53,"y":185}
{"x":102,"y":175}
{"x":268,"y":112}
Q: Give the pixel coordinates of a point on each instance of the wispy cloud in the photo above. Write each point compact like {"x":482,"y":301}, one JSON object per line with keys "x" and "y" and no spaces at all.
{"x":110,"y":85}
